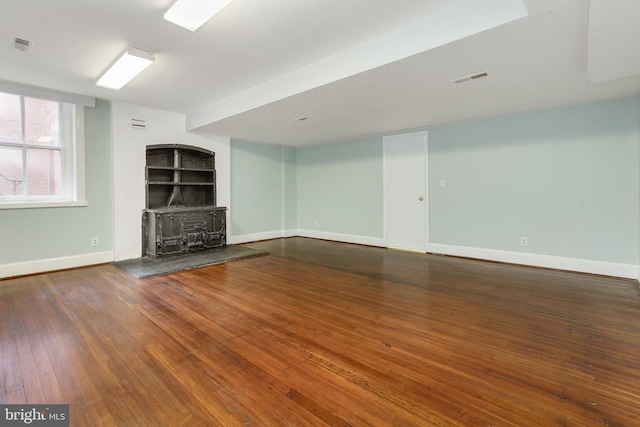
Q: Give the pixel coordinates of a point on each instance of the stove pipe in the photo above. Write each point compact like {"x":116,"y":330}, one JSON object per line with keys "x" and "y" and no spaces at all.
{"x":175,"y":198}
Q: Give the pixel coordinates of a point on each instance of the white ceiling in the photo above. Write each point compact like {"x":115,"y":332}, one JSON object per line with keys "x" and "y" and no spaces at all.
{"x":353,"y":67}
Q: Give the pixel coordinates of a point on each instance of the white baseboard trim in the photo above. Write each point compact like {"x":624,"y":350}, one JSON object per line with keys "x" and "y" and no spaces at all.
{"x":51,"y":264}
{"x":346,"y":238}
{"x":627,"y":271}
{"x":255,"y":237}
{"x":338,"y":237}
{"x":290,"y":233}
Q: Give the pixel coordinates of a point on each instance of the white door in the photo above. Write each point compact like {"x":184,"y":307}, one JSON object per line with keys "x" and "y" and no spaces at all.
{"x":406,"y":212}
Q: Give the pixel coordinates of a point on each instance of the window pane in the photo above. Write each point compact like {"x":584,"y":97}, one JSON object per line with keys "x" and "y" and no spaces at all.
{"x":10,"y":171}
{"x":37,"y":151}
{"x":10,"y":121}
{"x":43,"y":172}
{"x":41,"y":122}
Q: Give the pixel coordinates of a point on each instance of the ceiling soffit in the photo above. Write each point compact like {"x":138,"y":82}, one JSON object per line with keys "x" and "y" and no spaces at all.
{"x":458,"y":21}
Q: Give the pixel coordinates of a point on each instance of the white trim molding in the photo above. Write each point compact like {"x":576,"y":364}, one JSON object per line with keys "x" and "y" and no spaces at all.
{"x":626,"y":271}
{"x":314,"y":234}
{"x":52,"y":264}
{"x":345,"y":238}
{"x":255,"y":237}
{"x":40,"y":205}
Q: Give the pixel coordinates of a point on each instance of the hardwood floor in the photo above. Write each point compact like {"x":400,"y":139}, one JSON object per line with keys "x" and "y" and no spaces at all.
{"x":324,"y":333}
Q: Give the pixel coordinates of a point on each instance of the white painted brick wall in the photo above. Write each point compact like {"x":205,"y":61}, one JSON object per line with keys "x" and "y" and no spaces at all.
{"x":129,"y":145}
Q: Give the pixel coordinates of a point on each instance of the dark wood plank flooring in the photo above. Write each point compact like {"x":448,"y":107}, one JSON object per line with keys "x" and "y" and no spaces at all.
{"x":324,"y":333}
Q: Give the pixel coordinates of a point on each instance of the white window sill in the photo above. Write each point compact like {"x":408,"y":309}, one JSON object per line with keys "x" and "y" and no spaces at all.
{"x":34,"y":205}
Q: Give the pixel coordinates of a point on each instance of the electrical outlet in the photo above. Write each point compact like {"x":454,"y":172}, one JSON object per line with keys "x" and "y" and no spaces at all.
{"x":94,"y":241}
{"x":524,"y":241}
{"x":317,"y":224}
{"x":442,"y":183}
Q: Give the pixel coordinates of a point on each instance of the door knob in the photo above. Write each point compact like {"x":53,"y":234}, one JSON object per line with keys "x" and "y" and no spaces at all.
{"x":421,"y":198}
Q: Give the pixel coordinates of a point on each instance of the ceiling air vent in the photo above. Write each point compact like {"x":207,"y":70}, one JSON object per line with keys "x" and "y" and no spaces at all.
{"x":298,"y":119}
{"x":471,"y":77}
{"x":139,"y":124}
{"x":21,"y":43}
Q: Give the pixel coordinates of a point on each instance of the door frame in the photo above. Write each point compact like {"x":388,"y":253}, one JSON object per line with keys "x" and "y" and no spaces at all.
{"x":385,"y":215}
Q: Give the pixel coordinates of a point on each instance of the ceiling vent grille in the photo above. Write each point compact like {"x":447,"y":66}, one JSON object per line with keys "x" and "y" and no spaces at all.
{"x":21,"y":43}
{"x":139,"y":124}
{"x":471,"y":77}
{"x":298,"y":119}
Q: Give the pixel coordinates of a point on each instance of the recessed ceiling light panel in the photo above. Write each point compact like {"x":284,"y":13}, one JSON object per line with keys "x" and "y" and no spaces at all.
{"x":129,"y":65}
{"x":192,"y":14}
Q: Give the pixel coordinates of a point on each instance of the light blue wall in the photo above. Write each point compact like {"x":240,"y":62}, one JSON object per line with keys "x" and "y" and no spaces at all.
{"x":290,"y":189}
{"x":566,"y":178}
{"x":337,"y":185}
{"x":261,"y":176}
{"x":36,"y":234}
{"x":340,"y":186}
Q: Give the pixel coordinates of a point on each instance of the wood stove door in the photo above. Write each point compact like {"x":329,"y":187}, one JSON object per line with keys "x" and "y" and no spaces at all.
{"x":216,"y":228}
{"x":171,"y":232}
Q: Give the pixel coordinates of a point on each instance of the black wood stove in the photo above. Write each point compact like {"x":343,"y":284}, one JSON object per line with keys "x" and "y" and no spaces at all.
{"x":181,"y":213}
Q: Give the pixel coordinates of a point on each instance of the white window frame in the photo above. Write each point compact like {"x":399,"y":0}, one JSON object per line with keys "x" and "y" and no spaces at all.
{"x":73,"y":160}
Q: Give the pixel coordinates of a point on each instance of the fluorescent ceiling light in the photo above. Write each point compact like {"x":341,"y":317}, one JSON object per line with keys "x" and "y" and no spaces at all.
{"x":129,"y":65}
{"x":191,"y":14}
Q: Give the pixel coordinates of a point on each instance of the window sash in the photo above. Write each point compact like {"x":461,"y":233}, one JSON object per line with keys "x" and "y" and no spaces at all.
{"x":71,"y":155}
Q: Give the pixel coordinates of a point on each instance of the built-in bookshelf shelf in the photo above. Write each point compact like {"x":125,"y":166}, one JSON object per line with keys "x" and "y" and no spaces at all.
{"x":179,"y":175}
